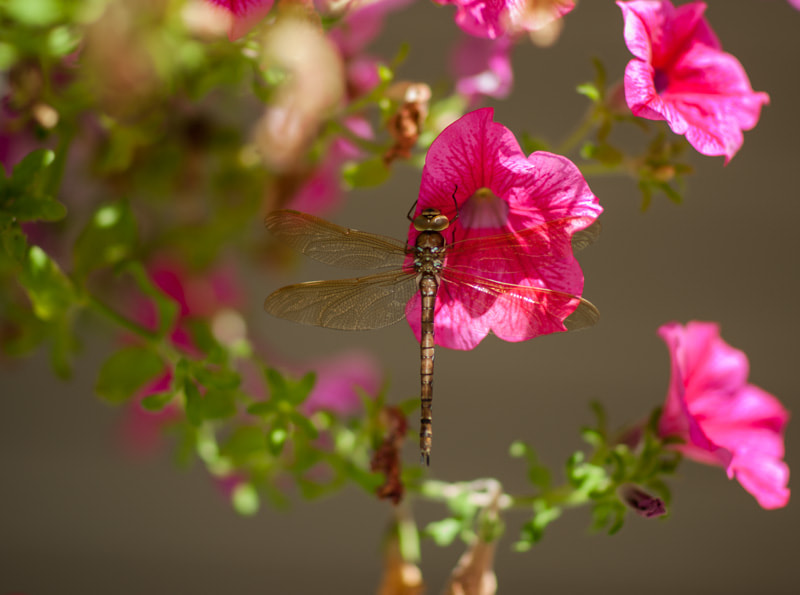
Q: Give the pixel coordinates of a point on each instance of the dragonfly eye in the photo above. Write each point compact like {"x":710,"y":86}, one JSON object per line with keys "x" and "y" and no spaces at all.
{"x":431,"y":220}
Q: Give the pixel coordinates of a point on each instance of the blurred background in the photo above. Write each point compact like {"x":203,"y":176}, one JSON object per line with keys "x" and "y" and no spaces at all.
{"x":77,"y":515}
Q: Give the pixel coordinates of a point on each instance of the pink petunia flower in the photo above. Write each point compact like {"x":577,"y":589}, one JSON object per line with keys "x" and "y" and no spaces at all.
{"x":244,"y":14}
{"x":483,"y":68}
{"x":475,"y":168}
{"x":496,"y":18}
{"x":361,"y":24}
{"x":195,"y":295}
{"x":723,"y":420}
{"x":338,"y":378}
{"x":681,"y":75}
{"x":795,"y":3}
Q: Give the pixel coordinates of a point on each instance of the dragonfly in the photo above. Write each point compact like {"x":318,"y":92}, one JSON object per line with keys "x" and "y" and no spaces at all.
{"x":431,"y":264}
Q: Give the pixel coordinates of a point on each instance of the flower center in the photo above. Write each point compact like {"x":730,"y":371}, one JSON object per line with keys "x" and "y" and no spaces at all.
{"x":661,"y":81}
{"x":484,"y":209}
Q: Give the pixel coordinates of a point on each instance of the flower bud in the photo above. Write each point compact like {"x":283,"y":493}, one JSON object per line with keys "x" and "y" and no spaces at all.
{"x":641,"y":502}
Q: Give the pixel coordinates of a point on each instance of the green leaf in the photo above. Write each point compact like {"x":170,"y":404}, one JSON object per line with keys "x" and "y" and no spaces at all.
{"x":50,"y":291}
{"x":65,"y":344}
{"x":23,"y":196}
{"x":303,"y":387}
{"x":15,"y":243}
{"x":218,"y":404}
{"x":157,"y":401}
{"x":125,"y":372}
{"x":304,"y":425}
{"x":35,"y":13}
{"x":194,"y":403}
{"x":27,"y":170}
{"x":533,"y":531}
{"x":276,"y":439}
{"x":591,"y":91}
{"x":245,"y":443}
{"x":284,"y":388}
{"x":166,"y":307}
{"x":462,"y":505}
{"x":540,"y":476}
{"x":262,"y":408}
{"x":108,"y":238}
{"x":219,"y":378}
{"x":609,"y":514}
{"x":61,"y":41}
{"x":366,"y":174}
{"x":200,"y":331}
{"x":245,"y":499}
{"x":443,"y":532}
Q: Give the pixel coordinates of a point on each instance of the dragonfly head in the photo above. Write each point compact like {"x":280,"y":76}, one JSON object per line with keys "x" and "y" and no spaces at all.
{"x":431,"y":220}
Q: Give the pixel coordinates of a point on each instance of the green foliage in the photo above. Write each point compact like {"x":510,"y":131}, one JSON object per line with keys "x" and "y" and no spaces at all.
{"x":24,"y":196}
{"x":366,"y":174}
{"x":125,"y":372}
{"x":162,"y":163}
{"x":107,"y":239}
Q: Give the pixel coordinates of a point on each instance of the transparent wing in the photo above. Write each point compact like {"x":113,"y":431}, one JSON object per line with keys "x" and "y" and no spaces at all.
{"x":333,"y":244}
{"x":365,"y":303}
{"x":585,"y":237}
{"x":518,"y":252}
{"x":522,"y":308}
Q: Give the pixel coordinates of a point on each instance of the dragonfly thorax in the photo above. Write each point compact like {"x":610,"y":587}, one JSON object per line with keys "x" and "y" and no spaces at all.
{"x":431,"y":220}
{"x":429,"y":252}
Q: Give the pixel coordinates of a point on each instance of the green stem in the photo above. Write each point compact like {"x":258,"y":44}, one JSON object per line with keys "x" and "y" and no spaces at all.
{"x":600,"y":169}
{"x":118,"y":319}
{"x":407,"y":534}
{"x":583,"y":129}
{"x":479,"y":493}
{"x":363,"y":143}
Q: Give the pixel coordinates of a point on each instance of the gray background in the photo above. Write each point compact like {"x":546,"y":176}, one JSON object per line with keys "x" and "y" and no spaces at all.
{"x":76,"y":516}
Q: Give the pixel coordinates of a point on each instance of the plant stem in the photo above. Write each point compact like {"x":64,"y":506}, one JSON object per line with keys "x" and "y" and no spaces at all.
{"x":583,"y":129}
{"x":118,"y":319}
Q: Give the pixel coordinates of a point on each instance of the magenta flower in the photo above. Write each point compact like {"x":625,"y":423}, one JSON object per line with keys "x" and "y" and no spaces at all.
{"x":338,"y":380}
{"x":196,"y":296}
{"x":322,"y":190}
{"x":141,"y":431}
{"x":361,"y":24}
{"x":723,"y":420}
{"x":483,"y":67}
{"x":795,"y":3}
{"x":245,"y":14}
{"x":681,"y":75}
{"x":500,"y":191}
{"x":495,"y":18}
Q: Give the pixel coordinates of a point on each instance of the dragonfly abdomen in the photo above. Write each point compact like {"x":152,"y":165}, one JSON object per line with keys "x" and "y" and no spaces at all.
{"x":428,"y":264}
{"x":428,"y":286}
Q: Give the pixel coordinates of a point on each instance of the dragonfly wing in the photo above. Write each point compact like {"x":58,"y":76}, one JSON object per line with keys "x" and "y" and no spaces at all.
{"x":333,"y":244}
{"x":365,"y":303}
{"x":516,"y":312}
{"x":585,"y":237}
{"x":516,"y":253}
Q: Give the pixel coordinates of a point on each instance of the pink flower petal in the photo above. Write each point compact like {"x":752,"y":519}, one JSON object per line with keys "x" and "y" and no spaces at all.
{"x":246,"y":14}
{"x":482,"y":67}
{"x":494,"y":18}
{"x":681,"y":75}
{"x":723,"y":420}
{"x":523,"y":210}
{"x":338,"y":378}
